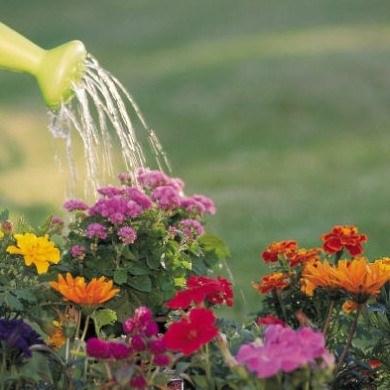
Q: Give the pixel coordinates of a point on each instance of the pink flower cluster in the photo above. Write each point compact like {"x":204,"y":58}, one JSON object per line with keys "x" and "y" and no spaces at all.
{"x":143,"y":343}
{"x":284,"y":350}
{"x":191,"y":228}
{"x":101,"y":349}
{"x":143,"y":336}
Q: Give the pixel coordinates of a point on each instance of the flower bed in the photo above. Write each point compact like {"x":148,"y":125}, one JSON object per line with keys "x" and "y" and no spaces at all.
{"x":124,"y":296}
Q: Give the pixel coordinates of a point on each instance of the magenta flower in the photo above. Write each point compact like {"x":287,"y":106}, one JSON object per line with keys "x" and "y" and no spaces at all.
{"x":151,"y":179}
{"x":127,"y":235}
{"x":75,"y":205}
{"x":284,"y":350}
{"x":166,"y":197}
{"x":116,"y":209}
{"x":77,"y":251}
{"x":98,"y":349}
{"x":110,"y":191}
{"x":191,"y":228}
{"x":138,"y":197}
{"x":207,"y":203}
{"x":119,"y":350}
{"x":96,"y":230}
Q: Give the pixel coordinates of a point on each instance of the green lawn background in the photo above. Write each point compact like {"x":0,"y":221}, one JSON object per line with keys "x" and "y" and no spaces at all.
{"x":279,"y":110}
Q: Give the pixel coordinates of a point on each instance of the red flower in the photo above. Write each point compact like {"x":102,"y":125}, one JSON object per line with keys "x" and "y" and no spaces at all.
{"x":278,"y":248}
{"x":191,"y":332}
{"x":269,"y":319}
{"x":203,"y":289}
{"x":346,"y":236}
{"x":273,"y":281}
{"x":374,"y":363}
{"x":302,"y":256}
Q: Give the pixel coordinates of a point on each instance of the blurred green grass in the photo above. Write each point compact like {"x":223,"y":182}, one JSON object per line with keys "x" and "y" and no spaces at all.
{"x":278,"y":110}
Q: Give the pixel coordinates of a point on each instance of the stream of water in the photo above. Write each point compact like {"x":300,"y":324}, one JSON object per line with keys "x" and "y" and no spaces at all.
{"x":103,"y":114}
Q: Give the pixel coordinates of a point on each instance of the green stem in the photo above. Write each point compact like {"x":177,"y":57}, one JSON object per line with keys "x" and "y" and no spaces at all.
{"x":278,"y":298}
{"x":351,"y":333}
{"x":328,"y":317}
{"x":85,"y":328}
{"x":67,"y":349}
{"x":207,"y":365}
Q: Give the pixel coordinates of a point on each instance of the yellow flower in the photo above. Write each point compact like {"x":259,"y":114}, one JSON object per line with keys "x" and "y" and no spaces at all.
{"x":384,"y":263}
{"x":56,"y":337}
{"x":1,"y":234}
{"x":95,"y":292}
{"x":39,"y":251}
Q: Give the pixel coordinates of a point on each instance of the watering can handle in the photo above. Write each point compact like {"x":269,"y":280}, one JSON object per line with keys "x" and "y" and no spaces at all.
{"x":18,"y":53}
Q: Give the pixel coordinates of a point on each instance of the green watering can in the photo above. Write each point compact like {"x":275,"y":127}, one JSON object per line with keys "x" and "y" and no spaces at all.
{"x":55,"y":69}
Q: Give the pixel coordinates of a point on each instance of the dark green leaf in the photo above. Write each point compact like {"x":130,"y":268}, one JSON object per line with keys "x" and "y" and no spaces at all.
{"x":120,"y":276}
{"x":141,"y":283}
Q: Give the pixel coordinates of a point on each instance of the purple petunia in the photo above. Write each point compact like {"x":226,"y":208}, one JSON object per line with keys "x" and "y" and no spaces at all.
{"x":96,"y":230}
{"x":284,"y":350}
{"x":19,"y":335}
{"x":75,"y":205}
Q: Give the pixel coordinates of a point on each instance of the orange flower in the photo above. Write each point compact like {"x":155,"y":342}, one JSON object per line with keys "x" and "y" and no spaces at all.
{"x":278,"y":248}
{"x":274,"y":281}
{"x":317,"y":274}
{"x":76,"y":290}
{"x":344,"y":236}
{"x":361,"y":278}
{"x":349,"y":306}
{"x":303,"y":256}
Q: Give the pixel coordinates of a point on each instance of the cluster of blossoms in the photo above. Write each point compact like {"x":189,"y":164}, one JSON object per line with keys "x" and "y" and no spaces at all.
{"x":18,"y":336}
{"x":156,"y":190}
{"x":316,"y":273}
{"x":197,"y":325}
{"x":284,"y":350}
{"x":141,"y":347}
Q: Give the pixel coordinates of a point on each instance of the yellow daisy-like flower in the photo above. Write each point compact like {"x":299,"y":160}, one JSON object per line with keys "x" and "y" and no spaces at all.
{"x":39,"y":251}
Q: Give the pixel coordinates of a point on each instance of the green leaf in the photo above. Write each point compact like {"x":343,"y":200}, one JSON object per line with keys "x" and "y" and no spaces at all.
{"x":212,"y":243}
{"x":137,"y":269}
{"x":141,"y":283}
{"x":153,"y":261}
{"x":104,"y":317}
{"x":4,"y":215}
{"x":12,"y":302}
{"x":120,"y":276}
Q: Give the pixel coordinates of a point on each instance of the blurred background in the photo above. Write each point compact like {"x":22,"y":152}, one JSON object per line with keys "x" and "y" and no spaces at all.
{"x":279,"y":110}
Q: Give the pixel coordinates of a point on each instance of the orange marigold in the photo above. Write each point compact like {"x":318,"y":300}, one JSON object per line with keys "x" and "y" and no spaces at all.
{"x":317,"y":274}
{"x":344,"y":237}
{"x":76,"y":290}
{"x":303,"y":256}
{"x":278,"y":248}
{"x":360,"y":278}
{"x":273,"y":281}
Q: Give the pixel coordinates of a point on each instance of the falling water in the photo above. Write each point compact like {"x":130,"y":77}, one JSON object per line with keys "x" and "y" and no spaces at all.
{"x":99,"y":113}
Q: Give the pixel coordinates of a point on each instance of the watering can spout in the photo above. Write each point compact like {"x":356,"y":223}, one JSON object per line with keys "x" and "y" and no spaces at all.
{"x":55,"y":70}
